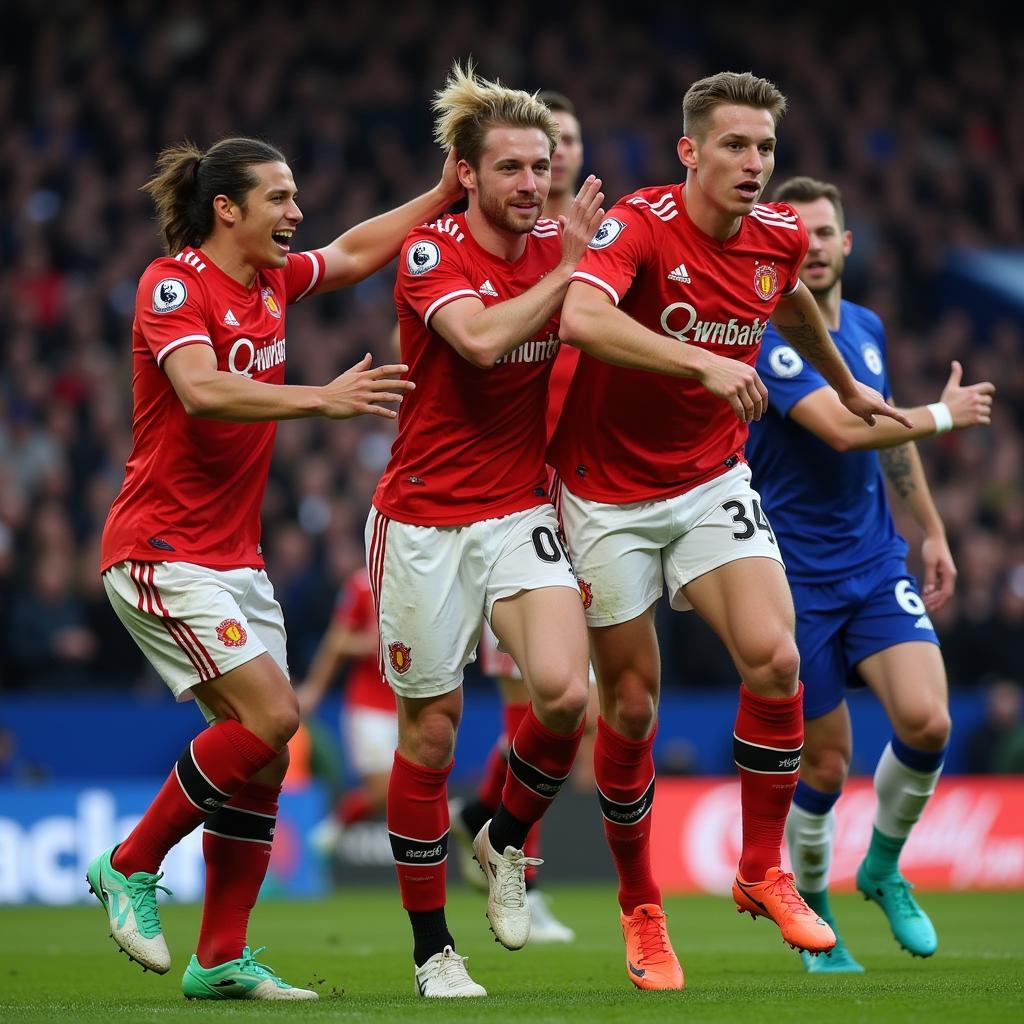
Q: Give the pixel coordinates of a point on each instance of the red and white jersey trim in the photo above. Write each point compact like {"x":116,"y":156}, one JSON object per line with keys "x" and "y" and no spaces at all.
{"x":438,"y":303}
{"x":581,"y":275}
{"x":314,"y":280}
{"x":185,"y":340}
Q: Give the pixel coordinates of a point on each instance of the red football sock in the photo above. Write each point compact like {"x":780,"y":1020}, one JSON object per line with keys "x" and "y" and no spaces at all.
{"x":211,"y":769}
{"x":767,"y":742}
{"x":624,"y":773}
{"x":354,"y":806}
{"x":237,"y":841}
{"x":418,"y":829}
{"x":493,"y":782}
{"x":539,"y":762}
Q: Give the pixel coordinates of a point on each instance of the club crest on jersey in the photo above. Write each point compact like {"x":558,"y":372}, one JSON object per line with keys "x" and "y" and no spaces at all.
{"x":766,"y":281}
{"x":270,"y":301}
{"x":422,"y":256}
{"x":610,"y":229}
{"x":169,"y":295}
{"x":400,"y":656}
{"x":586,"y":592}
{"x":231,"y":633}
{"x":872,"y":358}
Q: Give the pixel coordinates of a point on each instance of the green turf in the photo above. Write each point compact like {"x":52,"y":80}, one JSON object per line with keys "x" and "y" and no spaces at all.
{"x":58,"y":965}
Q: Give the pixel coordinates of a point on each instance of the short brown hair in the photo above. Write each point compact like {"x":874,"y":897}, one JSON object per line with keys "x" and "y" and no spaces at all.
{"x":468,"y":107}
{"x":557,"y":102}
{"x":806,"y":190}
{"x":740,"y":88}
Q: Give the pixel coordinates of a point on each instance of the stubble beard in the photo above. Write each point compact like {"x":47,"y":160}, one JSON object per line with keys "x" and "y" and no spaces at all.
{"x":502,"y":217}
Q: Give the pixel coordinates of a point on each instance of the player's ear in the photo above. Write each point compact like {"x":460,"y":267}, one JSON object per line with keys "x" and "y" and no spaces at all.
{"x":847,"y":242}
{"x":467,"y":176}
{"x":225,"y":210}
{"x":686,"y":150}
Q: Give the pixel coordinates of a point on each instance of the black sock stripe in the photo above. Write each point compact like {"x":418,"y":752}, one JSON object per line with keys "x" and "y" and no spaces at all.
{"x":765,"y":760}
{"x":196,"y":786}
{"x":236,"y":823}
{"x":533,"y":778}
{"x":627,"y":814}
{"x":413,"y":852}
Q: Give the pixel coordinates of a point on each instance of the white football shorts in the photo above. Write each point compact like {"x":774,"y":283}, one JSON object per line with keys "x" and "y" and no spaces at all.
{"x":625,"y":555}
{"x":371,"y":737}
{"x":432,"y":585}
{"x":195,"y":624}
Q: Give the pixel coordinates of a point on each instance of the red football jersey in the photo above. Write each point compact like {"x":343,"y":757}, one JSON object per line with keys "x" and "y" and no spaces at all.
{"x":558,"y":386}
{"x":470,"y":442}
{"x":631,"y":435}
{"x":193,"y":487}
{"x":354,"y":611}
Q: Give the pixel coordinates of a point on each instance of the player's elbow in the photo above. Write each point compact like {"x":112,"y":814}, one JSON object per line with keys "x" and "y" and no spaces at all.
{"x":195,"y":400}
{"x":480,"y":355}
{"x":571,"y":326}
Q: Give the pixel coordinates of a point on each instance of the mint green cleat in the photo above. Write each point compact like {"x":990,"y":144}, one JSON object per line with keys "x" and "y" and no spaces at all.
{"x":910,"y":925}
{"x":130,"y":903}
{"x":839,"y":960}
{"x":243,"y":978}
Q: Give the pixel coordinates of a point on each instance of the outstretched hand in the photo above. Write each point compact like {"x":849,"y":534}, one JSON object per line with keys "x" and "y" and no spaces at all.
{"x":969,"y":406}
{"x":449,"y":184}
{"x":360,"y":389}
{"x":867,"y":403}
{"x":584,"y":218}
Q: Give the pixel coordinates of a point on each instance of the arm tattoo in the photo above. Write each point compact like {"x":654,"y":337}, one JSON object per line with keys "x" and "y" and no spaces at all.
{"x":804,"y":337}
{"x":898,"y":469}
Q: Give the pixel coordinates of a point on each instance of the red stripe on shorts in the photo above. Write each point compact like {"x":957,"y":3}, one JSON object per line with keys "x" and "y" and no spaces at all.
{"x":378,"y":544}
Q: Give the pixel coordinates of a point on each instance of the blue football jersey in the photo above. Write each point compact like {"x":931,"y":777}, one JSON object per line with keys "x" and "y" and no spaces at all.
{"x":829,"y":509}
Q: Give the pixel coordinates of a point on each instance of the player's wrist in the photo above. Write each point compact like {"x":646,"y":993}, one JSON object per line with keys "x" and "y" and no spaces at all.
{"x":942,"y":417}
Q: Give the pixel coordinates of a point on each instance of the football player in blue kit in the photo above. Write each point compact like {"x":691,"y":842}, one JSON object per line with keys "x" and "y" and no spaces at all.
{"x":861,"y":618}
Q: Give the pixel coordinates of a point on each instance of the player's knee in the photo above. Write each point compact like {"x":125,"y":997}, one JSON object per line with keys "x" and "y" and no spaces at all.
{"x":281,"y":723}
{"x":928,"y":730}
{"x":633,"y":715}
{"x":776,"y":671}
{"x":825,"y":770}
{"x":564,"y":712}
{"x":432,"y":741}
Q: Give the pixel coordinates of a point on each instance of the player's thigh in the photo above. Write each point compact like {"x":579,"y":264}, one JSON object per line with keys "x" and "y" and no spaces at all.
{"x":747,"y":603}
{"x":534,"y":604}
{"x":429,"y":587}
{"x":616,"y":552}
{"x":371,"y":736}
{"x":495,"y":662}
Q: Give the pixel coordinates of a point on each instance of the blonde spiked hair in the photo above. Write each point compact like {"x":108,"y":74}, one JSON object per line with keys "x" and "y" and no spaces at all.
{"x":468,"y":107}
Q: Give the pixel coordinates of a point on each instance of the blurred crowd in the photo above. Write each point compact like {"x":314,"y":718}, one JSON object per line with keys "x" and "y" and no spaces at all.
{"x":916,"y":118}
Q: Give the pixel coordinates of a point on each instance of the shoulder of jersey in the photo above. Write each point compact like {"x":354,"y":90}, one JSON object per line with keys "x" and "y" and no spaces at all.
{"x":445,"y":226}
{"x":657,"y":202}
{"x":780,"y":216}
{"x":546,"y":228}
{"x":868,"y":317}
{"x":166,"y":282}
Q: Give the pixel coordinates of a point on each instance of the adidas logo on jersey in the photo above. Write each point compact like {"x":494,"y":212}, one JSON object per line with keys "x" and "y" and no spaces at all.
{"x":487,"y":289}
{"x":231,"y":320}
{"x":923,"y":623}
{"x":680,"y":274}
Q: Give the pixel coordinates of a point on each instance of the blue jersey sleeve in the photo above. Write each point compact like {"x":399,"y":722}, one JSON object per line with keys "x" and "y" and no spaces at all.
{"x":786,"y":374}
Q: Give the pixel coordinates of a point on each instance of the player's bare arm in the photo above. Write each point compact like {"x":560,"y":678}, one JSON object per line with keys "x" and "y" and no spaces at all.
{"x":823,"y":414}
{"x":482,"y":335}
{"x":799,"y":320}
{"x":368,"y":246}
{"x":339,"y":644}
{"x":592,"y":323}
{"x":210,"y":393}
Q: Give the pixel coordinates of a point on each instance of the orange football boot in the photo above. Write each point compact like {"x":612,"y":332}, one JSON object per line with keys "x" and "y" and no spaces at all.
{"x":777,"y":899}
{"x":650,"y":960}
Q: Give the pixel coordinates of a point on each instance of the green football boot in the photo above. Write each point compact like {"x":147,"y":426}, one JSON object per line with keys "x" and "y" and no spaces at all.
{"x":910,"y":925}
{"x":243,"y":978}
{"x":130,"y":903}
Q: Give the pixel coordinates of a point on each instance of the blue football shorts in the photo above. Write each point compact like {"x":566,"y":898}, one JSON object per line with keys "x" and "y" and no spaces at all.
{"x":840,"y":624}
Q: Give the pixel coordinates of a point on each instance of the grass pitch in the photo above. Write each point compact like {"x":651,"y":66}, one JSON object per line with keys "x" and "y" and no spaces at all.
{"x":57,"y":964}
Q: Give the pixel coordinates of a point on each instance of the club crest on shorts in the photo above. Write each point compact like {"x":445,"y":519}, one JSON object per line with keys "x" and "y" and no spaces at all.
{"x":766,"y":281}
{"x":270,"y":301}
{"x":586,"y":592}
{"x":231,"y":633}
{"x":400,"y":656}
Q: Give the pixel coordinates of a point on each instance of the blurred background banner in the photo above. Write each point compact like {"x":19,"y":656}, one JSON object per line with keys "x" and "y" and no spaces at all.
{"x":971,"y":835}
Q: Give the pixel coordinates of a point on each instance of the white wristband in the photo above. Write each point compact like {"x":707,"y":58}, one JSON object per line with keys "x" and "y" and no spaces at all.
{"x":942,"y":416}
